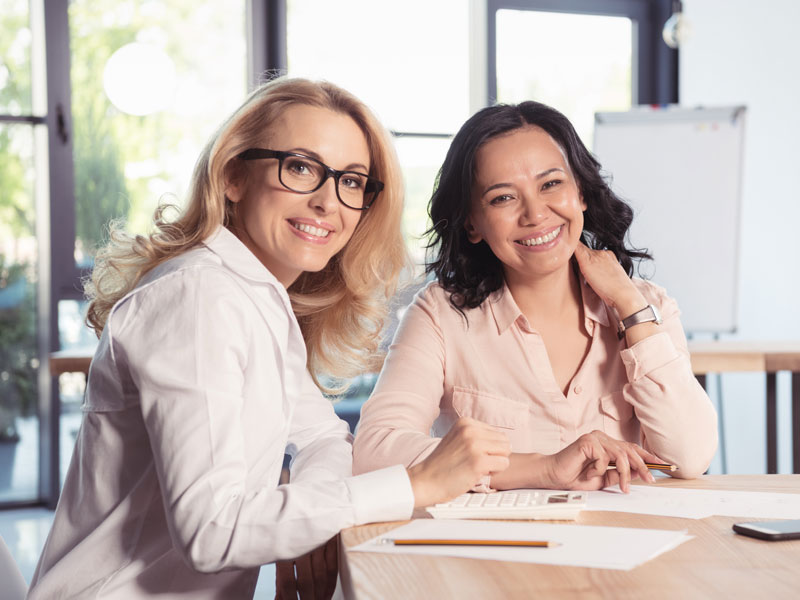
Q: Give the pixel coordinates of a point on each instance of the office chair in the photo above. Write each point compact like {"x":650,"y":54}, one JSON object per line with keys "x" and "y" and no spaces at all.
{"x":14,"y":586}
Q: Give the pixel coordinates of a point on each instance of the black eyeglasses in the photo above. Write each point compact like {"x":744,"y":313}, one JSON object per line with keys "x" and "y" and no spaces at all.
{"x":303,"y":174}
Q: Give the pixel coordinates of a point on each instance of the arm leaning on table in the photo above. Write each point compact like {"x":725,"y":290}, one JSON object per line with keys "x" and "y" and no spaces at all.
{"x":645,"y":393}
{"x":677,"y":420}
{"x":396,"y":421}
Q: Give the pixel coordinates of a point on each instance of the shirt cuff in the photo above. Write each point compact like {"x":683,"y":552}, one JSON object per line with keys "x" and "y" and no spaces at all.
{"x":382,"y":495}
{"x":648,"y":354}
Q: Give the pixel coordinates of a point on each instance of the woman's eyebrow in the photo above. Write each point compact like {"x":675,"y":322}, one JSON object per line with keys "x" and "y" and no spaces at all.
{"x":312,"y":154}
{"x":547,"y":172}
{"x":544,"y":173}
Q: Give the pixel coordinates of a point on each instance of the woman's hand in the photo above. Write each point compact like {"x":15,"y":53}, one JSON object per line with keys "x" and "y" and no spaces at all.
{"x":583,"y":465}
{"x":608,"y":279}
{"x":469,"y":451}
{"x":312,"y":575}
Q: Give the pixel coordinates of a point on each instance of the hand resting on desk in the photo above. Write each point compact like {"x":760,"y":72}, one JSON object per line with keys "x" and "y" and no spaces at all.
{"x":469,"y":451}
{"x":583,"y":465}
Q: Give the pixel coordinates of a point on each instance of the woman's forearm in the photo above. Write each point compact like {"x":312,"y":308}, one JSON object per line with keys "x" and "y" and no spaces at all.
{"x":529,"y":470}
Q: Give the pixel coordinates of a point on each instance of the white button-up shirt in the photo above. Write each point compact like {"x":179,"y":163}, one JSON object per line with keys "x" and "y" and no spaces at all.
{"x":198,"y":385}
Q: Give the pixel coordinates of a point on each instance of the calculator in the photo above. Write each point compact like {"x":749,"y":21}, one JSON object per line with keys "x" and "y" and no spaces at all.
{"x":513,"y":504}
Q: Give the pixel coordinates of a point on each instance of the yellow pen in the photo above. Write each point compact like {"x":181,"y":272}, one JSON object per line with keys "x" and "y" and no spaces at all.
{"x":450,"y":542}
{"x":654,"y":466}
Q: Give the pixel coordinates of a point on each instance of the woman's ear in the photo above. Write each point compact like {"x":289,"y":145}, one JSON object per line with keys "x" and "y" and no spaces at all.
{"x":583,"y":202}
{"x":235,"y":178}
{"x":473,"y":235}
{"x":234,"y":191}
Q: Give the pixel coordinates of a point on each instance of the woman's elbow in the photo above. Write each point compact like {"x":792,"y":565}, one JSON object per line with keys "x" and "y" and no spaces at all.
{"x":696,"y":460}
{"x":365,"y":455}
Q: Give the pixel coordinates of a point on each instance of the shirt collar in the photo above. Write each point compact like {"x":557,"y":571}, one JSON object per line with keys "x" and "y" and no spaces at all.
{"x":505,"y":310}
{"x":238,"y":258}
{"x":593,"y":306}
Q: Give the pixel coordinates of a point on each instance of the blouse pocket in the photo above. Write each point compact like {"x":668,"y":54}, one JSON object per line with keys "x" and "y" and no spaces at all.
{"x":615,"y":408}
{"x":490,"y":409}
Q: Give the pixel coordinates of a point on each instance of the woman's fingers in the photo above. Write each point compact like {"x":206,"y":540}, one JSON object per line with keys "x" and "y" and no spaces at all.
{"x":468,"y":452}
{"x":585,"y":463}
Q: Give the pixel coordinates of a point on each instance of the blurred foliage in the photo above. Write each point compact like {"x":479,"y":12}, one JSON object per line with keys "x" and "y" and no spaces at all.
{"x":18,"y":343}
{"x":18,"y":346}
{"x":123,"y":164}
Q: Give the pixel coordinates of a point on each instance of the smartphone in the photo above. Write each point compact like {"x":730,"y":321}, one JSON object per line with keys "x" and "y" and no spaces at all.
{"x":770,"y":530}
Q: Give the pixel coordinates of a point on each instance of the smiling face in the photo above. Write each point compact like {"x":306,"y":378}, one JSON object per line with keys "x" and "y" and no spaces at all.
{"x":289,"y":232}
{"x":526,"y":204}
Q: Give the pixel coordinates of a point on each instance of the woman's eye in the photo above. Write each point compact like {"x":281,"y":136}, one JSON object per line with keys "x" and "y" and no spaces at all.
{"x":551,"y":184}
{"x":501,"y":199}
{"x":298,"y":167}
{"x":353,"y":181}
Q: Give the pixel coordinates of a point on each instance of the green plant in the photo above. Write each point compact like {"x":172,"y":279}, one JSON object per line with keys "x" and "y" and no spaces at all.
{"x":18,"y":347}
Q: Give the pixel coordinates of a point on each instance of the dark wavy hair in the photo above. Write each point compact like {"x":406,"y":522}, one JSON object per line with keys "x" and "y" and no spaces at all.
{"x":470,"y":272}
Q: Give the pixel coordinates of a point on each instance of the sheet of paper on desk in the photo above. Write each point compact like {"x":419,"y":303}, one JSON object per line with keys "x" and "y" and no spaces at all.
{"x":696,"y":504}
{"x":618,"y":548}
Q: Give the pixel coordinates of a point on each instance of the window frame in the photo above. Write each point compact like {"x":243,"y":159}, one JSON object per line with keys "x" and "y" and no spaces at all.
{"x":60,"y":278}
{"x":655,"y":65}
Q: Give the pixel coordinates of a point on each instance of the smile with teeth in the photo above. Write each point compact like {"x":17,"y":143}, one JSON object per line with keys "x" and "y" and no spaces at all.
{"x":538,"y":241}
{"x":310,"y":229}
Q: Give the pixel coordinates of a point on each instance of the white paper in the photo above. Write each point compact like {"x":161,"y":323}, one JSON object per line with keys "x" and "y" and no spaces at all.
{"x":618,"y":548}
{"x":696,"y":504}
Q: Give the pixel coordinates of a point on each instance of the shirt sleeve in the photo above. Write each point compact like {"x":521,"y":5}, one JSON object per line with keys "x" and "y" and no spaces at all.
{"x":678,"y":421}
{"x":320,"y":443}
{"x":186,"y":342}
{"x":396,"y":421}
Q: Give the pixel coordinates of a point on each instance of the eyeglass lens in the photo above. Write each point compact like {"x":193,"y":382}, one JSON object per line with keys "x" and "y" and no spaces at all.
{"x":302,"y":174}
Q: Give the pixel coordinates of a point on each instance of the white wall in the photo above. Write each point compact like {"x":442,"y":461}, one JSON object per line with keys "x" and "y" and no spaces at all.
{"x":745,"y":52}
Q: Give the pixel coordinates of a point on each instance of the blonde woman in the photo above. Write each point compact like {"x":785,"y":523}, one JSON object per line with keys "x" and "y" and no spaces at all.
{"x":213,"y":331}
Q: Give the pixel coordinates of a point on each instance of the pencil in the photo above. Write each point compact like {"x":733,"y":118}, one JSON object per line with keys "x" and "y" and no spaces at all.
{"x":446,"y":542}
{"x":654,"y":466}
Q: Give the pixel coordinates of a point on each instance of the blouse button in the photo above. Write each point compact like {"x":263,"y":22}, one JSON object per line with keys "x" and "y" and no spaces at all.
{"x":577,"y":389}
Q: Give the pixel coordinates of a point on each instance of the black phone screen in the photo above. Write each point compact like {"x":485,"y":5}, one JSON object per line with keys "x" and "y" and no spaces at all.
{"x":770,"y":530}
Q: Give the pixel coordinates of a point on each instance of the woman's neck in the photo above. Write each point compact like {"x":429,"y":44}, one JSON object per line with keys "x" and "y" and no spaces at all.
{"x":544,"y":298}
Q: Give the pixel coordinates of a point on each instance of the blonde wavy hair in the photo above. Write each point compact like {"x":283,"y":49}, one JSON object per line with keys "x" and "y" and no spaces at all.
{"x":341,"y":309}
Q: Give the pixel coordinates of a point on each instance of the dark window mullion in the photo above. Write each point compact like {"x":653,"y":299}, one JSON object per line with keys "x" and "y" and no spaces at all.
{"x":63,"y":274}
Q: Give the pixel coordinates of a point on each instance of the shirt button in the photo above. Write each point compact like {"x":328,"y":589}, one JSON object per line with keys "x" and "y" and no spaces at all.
{"x":577,"y":389}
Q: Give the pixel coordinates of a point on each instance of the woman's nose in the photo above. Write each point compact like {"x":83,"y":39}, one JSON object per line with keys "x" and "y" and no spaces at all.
{"x":535,"y":209}
{"x":325,"y":199}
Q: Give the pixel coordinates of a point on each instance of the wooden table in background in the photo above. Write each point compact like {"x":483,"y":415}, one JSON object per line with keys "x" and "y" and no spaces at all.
{"x":707,"y":357}
{"x":717,"y":563}
{"x":766,"y":357}
{"x":71,"y":361}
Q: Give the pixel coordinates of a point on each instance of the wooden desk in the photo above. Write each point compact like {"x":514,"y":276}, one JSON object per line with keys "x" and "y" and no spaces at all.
{"x":71,"y":361}
{"x":716,"y":564}
{"x":766,"y":357}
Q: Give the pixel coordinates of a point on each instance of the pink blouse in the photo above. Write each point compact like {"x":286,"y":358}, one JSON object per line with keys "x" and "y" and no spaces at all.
{"x":494,"y":368}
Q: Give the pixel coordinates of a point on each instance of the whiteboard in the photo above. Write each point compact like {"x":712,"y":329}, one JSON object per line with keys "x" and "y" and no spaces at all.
{"x":680,"y":169}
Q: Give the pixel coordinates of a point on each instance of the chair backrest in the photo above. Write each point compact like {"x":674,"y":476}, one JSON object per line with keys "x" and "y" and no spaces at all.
{"x":14,"y":586}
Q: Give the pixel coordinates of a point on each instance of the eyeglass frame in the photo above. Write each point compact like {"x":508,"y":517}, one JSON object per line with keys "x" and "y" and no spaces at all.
{"x":262,"y":153}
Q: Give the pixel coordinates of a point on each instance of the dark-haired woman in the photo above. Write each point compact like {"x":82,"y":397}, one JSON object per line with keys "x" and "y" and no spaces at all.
{"x":536,"y":325}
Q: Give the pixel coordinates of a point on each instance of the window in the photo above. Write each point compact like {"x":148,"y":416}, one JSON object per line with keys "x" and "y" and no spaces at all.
{"x":580,"y":56}
{"x":23,"y":149}
{"x":413,"y":72}
{"x":74,"y":153}
{"x":134,"y":90}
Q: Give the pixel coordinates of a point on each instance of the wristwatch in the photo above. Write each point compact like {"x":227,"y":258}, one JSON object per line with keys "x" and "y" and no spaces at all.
{"x":647,"y":314}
